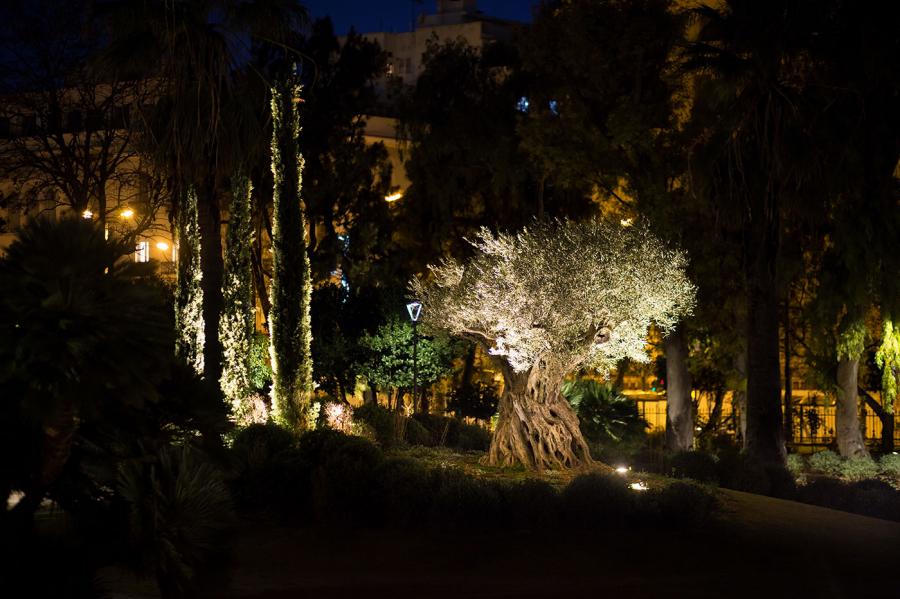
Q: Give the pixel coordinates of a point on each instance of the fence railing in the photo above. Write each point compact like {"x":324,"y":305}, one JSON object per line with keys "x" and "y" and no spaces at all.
{"x":812,"y":425}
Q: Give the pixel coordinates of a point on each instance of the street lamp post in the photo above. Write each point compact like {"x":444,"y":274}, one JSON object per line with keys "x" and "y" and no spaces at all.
{"x":415,"y":310}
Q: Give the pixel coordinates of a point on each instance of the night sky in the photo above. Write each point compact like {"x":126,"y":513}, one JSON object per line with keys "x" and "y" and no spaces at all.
{"x":394,"y":15}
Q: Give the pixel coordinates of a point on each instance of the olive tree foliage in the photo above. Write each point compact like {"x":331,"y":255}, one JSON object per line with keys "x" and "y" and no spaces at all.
{"x":550,"y":299}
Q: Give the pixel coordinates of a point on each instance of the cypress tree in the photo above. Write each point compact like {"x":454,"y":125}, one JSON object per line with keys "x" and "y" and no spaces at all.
{"x":291,"y":292}
{"x":190,"y":335}
{"x":236,"y":327}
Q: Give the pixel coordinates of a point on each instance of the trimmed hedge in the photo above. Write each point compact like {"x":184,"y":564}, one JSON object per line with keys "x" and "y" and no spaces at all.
{"x":328,"y":478}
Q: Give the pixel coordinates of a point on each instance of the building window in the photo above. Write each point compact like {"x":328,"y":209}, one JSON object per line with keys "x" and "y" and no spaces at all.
{"x":142,"y":251}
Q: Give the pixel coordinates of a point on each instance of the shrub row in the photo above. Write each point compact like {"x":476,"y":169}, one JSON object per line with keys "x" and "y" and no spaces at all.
{"x":392,"y":429}
{"x":853,"y":469}
{"x":327,"y":478}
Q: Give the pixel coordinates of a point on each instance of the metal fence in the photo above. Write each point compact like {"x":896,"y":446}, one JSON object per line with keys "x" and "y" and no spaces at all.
{"x":812,"y":424}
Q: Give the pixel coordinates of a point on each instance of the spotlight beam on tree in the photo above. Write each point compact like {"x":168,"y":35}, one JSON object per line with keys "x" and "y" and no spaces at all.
{"x":550,"y":299}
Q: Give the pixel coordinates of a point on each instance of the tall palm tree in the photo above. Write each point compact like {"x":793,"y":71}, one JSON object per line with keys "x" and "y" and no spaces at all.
{"x":755,"y":101}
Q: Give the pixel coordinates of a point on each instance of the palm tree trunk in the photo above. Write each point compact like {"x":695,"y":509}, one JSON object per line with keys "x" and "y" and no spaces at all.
{"x":765,"y":435}
{"x":679,"y":409}
{"x":849,"y":435}
{"x":788,"y":386}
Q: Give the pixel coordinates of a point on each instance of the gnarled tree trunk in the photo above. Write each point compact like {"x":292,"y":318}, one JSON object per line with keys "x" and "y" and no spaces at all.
{"x":537,"y":427}
{"x":679,"y":409}
{"x":849,"y":435}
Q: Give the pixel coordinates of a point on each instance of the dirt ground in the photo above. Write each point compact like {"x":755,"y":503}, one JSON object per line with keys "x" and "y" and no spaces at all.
{"x":760,"y":547}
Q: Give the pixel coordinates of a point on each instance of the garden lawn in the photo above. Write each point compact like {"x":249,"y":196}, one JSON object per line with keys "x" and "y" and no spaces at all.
{"x":758,"y":547}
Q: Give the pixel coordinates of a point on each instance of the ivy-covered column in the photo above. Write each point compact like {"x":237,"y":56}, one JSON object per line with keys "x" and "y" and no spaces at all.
{"x":850,"y":346}
{"x":291,"y":292}
{"x":236,"y":326}
{"x":190,"y":335}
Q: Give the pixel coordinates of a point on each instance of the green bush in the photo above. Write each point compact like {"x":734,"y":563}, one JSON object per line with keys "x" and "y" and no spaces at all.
{"x":417,"y":434}
{"x":859,"y":468}
{"x":258,"y":444}
{"x":605,"y":415}
{"x":382,"y":421}
{"x":461,"y":501}
{"x":595,"y":501}
{"x":403,"y":488}
{"x":444,"y":431}
{"x":179,"y":514}
{"x":473,"y":438}
{"x":532,"y":505}
{"x":341,"y":470}
{"x":826,"y":462}
{"x":694,"y":464}
{"x":827,"y":492}
{"x":889,"y":464}
{"x":875,"y":498}
{"x":741,"y":472}
{"x":869,"y":497}
{"x":796,"y":465}
{"x":678,"y":506}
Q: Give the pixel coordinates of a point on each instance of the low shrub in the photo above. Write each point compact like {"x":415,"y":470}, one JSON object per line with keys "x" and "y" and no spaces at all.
{"x":875,"y":498}
{"x":694,"y":464}
{"x":595,"y":501}
{"x":444,"y":431}
{"x":869,"y":497}
{"x":826,"y":492}
{"x":859,"y":468}
{"x":473,"y":438}
{"x":258,"y":444}
{"x":403,"y":488}
{"x":742,"y":473}
{"x":461,"y":501}
{"x":680,"y":505}
{"x":382,"y":421}
{"x":532,"y":505}
{"x":889,"y":464}
{"x":417,"y":434}
{"x":825,"y":462}
{"x":796,"y":465}
{"x":342,"y":469}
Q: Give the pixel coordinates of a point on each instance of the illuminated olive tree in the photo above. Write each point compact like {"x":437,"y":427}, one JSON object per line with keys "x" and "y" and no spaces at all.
{"x":236,"y":327}
{"x":550,"y":299}
{"x":289,"y":317}
{"x":188,"y":293}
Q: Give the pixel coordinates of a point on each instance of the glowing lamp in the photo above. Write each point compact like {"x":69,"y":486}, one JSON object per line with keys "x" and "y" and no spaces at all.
{"x":414,"y":309}
{"x":622,"y":470}
{"x":127,"y":213}
{"x":393,"y":197}
{"x":87,"y":214}
{"x":162,"y":245}
{"x":639,"y":486}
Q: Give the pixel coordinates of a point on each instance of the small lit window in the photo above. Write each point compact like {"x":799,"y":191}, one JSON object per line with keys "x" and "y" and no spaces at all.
{"x":142,"y":251}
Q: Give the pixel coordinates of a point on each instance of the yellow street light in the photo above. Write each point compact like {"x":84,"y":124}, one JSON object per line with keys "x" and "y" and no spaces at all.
{"x":393,"y":197}
{"x":162,"y":246}
{"x":127,"y":213}
{"x":87,"y":214}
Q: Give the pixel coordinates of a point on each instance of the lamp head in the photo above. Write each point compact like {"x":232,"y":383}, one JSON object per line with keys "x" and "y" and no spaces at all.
{"x":414,"y":309}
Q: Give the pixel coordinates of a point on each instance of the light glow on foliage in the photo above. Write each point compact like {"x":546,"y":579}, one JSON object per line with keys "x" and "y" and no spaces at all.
{"x":584,"y":293}
{"x":238,"y":310}
{"x":291,"y":289}
{"x":189,"y":325}
{"x":888,"y":359}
